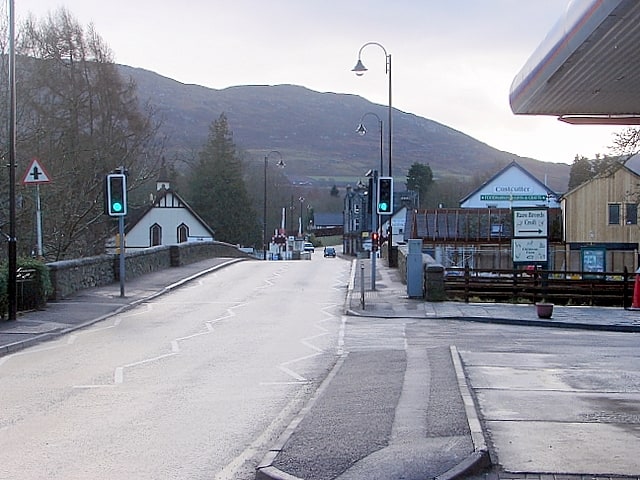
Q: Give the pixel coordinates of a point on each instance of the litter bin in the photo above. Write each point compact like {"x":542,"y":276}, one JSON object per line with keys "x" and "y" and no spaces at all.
{"x":28,"y":289}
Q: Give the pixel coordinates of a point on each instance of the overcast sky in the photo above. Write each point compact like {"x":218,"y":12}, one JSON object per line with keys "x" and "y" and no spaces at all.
{"x":453,"y":61}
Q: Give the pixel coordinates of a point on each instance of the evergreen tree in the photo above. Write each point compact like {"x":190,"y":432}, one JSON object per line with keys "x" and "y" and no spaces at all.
{"x":419,"y":179}
{"x":218,"y":191}
{"x":584,"y":169}
{"x":581,"y":171}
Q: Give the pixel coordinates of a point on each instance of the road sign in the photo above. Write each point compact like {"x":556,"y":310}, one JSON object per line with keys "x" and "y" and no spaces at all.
{"x":530,"y":222}
{"x":35,"y":174}
{"x":529,"y":250}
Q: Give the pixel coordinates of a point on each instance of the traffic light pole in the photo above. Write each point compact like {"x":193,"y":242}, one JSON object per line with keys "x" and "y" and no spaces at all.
{"x":374,"y":228}
{"x":116,"y":206}
{"x":122,"y":269}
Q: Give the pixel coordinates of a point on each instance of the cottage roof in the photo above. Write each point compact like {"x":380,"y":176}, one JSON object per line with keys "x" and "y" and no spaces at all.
{"x":328,"y":219}
{"x":511,"y":165}
{"x":157,"y":202}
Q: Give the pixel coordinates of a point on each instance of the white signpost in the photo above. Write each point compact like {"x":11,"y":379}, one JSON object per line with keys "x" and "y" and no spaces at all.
{"x":35,"y":175}
{"x":530,"y":223}
{"x":530,"y":250}
{"x":530,"y":236}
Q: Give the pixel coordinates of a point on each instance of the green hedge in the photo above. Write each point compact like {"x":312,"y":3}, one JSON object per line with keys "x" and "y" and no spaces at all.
{"x":39,"y":287}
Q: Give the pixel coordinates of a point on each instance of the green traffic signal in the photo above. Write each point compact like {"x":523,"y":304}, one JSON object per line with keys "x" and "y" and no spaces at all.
{"x":116,"y":195}
{"x":385,"y":195}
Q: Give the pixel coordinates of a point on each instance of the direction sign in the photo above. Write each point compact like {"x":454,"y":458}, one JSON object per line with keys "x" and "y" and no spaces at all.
{"x":35,"y":174}
{"x":531,"y":222}
{"x":529,"y":250}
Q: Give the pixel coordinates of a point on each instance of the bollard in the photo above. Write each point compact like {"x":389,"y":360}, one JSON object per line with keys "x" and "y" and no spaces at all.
{"x":362,"y":284}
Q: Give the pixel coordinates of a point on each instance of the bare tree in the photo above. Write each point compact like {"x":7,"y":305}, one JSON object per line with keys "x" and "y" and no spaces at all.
{"x":627,"y":142}
{"x":82,"y":120}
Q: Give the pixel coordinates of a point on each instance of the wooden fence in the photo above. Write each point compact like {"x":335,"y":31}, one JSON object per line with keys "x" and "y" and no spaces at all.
{"x":559,"y":287}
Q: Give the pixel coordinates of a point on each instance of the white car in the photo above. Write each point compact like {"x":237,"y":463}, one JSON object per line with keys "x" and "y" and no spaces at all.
{"x":308,"y":247}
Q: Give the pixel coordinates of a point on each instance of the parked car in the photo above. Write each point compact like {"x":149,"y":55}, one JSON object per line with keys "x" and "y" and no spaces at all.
{"x":308,"y":247}
{"x":329,"y":252}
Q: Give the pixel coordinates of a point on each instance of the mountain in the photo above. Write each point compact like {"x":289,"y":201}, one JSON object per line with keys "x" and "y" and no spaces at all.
{"x":315,"y":132}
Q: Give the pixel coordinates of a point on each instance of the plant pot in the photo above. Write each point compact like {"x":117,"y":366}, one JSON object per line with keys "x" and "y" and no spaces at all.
{"x":544,"y":310}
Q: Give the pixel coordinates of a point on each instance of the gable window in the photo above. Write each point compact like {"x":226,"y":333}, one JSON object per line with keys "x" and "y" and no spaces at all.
{"x":183,"y":233}
{"x":155,"y":233}
{"x":614,"y":214}
{"x":631,"y":213}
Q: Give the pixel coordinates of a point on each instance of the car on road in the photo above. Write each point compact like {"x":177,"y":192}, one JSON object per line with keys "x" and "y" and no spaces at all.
{"x":330,"y":252}
{"x":308,"y":247}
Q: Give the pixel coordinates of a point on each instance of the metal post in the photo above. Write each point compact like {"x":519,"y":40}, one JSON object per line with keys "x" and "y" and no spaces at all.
{"x":39,"y":221}
{"x":12,"y":266}
{"x":391,"y":264}
{"x":374,"y":228}
{"x":362,"y":284}
{"x":264,"y":206}
{"x":359,"y":69}
{"x":264,"y":212}
{"x":122,"y":246}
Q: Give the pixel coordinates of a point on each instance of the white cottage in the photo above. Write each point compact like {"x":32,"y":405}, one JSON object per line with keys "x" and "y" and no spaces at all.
{"x":512,"y":186}
{"x":169,"y":220}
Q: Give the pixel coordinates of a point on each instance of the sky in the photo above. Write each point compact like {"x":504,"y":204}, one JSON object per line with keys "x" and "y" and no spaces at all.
{"x":453,"y":61}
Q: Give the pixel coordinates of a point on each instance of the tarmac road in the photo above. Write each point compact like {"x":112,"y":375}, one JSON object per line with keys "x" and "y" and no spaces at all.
{"x":579,"y":400}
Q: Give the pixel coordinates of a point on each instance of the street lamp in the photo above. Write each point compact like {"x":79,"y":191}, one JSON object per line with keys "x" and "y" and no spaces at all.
{"x":359,"y":70}
{"x":362,"y":130}
{"x":300,"y":226}
{"x":264,"y":205}
{"x":375,"y":218}
{"x":12,"y":265}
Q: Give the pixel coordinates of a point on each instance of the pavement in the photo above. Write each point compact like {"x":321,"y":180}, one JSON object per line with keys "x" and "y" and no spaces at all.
{"x":361,"y":422}
{"x":92,"y":305}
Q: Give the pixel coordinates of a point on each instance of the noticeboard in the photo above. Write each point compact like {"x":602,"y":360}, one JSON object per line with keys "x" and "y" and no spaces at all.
{"x":593,"y":260}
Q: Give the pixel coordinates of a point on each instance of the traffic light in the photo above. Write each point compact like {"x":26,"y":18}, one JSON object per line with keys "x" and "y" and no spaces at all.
{"x":385,"y":195}
{"x":116,"y":195}
{"x":375,"y":238}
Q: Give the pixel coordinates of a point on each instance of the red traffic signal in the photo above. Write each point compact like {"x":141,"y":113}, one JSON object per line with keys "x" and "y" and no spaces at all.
{"x":375,"y":237}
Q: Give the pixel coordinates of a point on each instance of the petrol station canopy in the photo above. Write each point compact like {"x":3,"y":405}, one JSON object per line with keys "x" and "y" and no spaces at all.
{"x":587,"y":69}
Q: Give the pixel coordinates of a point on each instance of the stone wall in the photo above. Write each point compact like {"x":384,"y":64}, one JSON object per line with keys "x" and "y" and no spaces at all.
{"x":70,"y":276}
{"x":433,"y":275}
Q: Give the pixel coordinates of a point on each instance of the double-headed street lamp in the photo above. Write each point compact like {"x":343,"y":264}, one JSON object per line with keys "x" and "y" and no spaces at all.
{"x":359,"y":70}
{"x":264,"y":211}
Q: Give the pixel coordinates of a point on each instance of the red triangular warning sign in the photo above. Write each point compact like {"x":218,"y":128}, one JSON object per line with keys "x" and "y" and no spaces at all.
{"x":35,"y":174}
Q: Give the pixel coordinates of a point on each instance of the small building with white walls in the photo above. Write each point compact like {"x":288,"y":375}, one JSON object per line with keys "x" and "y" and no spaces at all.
{"x":169,"y":220}
{"x":513,"y":186}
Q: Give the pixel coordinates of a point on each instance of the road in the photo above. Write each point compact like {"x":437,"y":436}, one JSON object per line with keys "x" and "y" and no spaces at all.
{"x":550,"y":400}
{"x":196,"y":384}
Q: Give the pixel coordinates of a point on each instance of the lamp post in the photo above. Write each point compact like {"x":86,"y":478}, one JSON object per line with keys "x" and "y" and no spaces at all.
{"x":359,"y":70}
{"x":301,"y":225}
{"x":264,"y":205}
{"x":12,"y":265}
{"x":376,"y":222}
{"x":362,"y":130}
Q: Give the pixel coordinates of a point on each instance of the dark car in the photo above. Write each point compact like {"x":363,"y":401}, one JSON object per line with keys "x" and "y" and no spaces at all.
{"x":329,"y":252}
